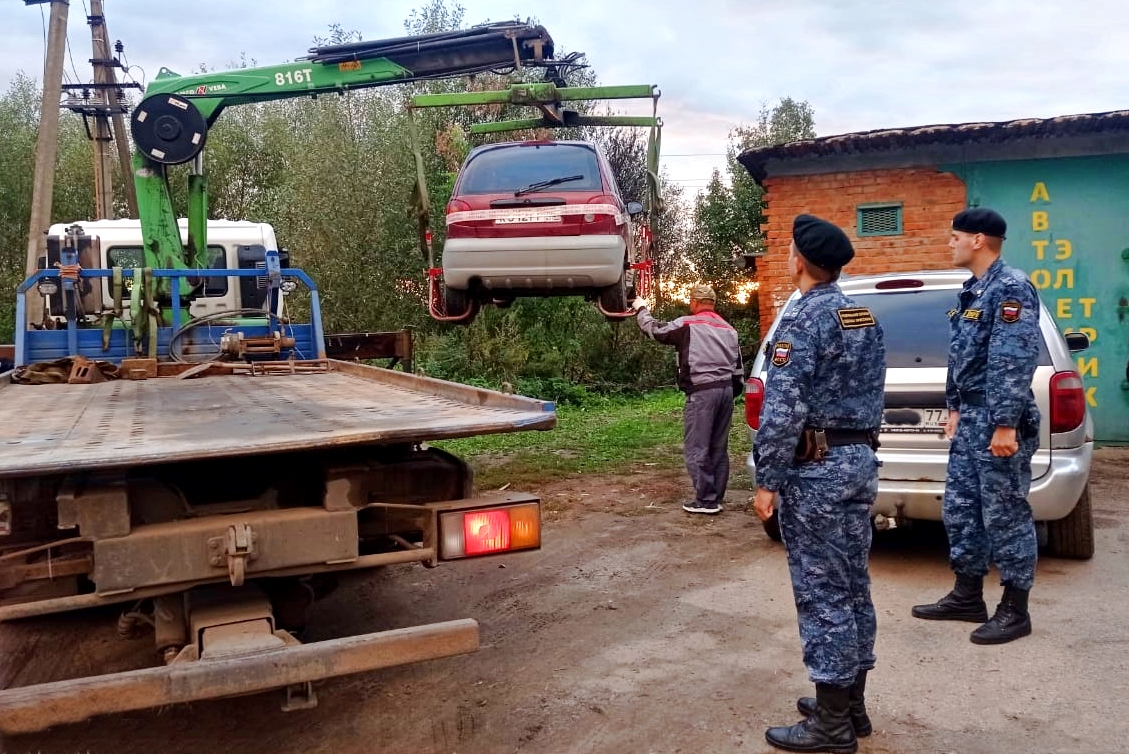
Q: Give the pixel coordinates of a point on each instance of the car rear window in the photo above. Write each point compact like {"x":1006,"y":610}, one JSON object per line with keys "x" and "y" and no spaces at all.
{"x":507,"y":169}
{"x":915,"y":326}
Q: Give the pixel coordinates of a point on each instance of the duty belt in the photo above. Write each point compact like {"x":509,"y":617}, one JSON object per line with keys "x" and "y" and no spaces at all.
{"x":973,"y":398}
{"x":814,"y":443}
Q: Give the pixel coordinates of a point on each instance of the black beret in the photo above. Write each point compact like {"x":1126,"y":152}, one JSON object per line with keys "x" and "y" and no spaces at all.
{"x":980,"y":220}
{"x":821,"y":243}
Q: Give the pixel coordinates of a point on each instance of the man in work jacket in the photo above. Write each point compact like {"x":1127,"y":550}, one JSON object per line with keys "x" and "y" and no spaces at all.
{"x":710,"y":373}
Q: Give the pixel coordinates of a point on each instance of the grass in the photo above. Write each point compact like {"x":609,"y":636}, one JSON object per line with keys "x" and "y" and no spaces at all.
{"x":598,"y":438}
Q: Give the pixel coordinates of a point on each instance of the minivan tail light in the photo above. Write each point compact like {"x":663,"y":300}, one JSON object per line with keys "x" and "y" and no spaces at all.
{"x":457,"y":205}
{"x":1068,"y":401}
{"x":754,"y":399}
{"x":603,"y":221}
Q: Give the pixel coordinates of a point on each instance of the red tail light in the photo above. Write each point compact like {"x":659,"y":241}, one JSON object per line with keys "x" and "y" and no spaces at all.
{"x":459,"y":229}
{"x":1068,"y":401}
{"x":457,"y":205}
{"x":602,"y":221}
{"x":466,"y":533}
{"x":754,"y":399}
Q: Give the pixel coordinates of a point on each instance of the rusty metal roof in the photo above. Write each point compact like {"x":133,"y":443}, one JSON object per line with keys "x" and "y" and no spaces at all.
{"x":889,"y":140}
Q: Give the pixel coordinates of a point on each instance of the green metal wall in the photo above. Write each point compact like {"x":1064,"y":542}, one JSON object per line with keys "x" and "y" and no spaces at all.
{"x":1068,"y":228}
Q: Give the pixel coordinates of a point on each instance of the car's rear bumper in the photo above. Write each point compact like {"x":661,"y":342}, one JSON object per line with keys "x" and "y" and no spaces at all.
{"x":568,"y":262}
{"x":1052,"y":496}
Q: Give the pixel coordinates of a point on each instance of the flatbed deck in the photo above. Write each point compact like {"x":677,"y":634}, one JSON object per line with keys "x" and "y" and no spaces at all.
{"x":127,"y":423}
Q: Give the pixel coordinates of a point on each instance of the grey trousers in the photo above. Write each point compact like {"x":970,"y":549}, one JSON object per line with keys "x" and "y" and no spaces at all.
{"x":705,"y":421}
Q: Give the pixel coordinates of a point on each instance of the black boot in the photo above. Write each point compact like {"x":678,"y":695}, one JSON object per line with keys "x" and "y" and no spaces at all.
{"x":860,"y":721}
{"x":828,"y":728}
{"x":1010,"y":622}
{"x":964,"y":602}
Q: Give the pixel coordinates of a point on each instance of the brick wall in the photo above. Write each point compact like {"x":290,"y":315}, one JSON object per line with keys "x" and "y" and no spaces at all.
{"x":929,"y":201}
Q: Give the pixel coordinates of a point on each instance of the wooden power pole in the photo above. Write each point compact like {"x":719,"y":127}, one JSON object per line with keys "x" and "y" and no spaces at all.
{"x":47,"y":145}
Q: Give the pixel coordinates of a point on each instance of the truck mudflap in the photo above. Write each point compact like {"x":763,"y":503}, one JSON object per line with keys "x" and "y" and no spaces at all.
{"x":34,"y":708}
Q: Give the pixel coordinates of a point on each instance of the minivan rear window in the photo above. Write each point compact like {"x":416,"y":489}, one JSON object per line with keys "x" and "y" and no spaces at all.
{"x":915,"y":326}
{"x":504,"y":170}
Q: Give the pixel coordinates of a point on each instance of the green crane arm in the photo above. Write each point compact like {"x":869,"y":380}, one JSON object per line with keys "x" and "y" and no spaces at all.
{"x":170,"y":125}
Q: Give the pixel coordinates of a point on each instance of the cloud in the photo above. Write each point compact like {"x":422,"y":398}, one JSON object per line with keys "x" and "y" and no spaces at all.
{"x":861,"y":65}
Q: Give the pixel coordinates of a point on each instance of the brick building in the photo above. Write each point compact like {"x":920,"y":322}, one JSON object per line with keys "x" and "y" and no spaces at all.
{"x":1062,"y":183}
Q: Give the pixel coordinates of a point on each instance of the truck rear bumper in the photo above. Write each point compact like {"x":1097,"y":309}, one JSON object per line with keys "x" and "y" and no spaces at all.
{"x":35,"y":708}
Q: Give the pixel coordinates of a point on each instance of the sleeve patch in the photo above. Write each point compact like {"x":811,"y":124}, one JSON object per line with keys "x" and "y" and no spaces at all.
{"x":853,"y":319}
{"x":781,"y":354}
{"x":972,"y":315}
{"x":1010,"y":311}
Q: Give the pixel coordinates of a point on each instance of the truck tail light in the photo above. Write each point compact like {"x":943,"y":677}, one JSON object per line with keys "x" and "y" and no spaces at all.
{"x":754,"y":399}
{"x":485,"y":531}
{"x":1068,"y":401}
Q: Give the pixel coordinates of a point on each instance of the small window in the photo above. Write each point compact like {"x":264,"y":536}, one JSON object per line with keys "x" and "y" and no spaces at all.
{"x":128,"y":257}
{"x":880,"y":220}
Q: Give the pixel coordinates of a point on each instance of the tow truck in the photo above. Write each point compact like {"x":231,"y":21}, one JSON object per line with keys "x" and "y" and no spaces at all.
{"x":211,"y":472}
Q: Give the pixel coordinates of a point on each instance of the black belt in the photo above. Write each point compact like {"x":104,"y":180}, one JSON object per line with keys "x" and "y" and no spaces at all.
{"x":973,"y":398}
{"x":836,"y":437}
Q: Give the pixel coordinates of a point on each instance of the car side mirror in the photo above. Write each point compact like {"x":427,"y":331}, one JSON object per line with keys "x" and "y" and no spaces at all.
{"x":1077,"y":341}
{"x":634,"y":208}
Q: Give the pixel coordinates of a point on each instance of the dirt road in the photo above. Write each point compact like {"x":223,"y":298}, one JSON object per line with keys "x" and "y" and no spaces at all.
{"x":639,"y":628}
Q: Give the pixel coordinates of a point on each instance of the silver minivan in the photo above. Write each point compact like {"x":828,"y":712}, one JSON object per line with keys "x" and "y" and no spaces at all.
{"x":912,"y":309}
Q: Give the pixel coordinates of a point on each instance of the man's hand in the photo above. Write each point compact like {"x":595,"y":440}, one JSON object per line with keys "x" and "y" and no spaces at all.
{"x":640,"y":303}
{"x":951,"y":424}
{"x":1004,"y":444}
{"x":764,"y":503}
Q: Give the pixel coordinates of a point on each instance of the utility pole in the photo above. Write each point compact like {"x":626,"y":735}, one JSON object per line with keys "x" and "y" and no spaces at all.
{"x":47,"y":145}
{"x":100,"y":102}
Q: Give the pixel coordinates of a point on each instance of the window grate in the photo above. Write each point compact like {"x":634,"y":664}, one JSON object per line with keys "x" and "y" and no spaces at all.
{"x":880,"y":220}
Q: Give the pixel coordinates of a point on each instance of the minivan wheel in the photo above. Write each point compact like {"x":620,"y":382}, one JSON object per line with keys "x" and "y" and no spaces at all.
{"x":772,"y":526}
{"x":1073,"y":536}
{"x":614,"y":297}
{"x":456,"y":302}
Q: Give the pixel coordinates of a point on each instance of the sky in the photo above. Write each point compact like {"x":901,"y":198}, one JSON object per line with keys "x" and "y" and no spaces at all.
{"x":860,"y":64}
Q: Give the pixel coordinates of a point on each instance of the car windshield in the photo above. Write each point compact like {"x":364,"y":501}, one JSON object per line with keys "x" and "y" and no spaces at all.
{"x":505,"y":170}
{"x":915,"y":326}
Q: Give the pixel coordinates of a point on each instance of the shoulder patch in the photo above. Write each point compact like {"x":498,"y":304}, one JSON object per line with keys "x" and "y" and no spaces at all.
{"x":855,"y":318}
{"x":1010,"y":311}
{"x":781,"y":354}
{"x":972,"y":314}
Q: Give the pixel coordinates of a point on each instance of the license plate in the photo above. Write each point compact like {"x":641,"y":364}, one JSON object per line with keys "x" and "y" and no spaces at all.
{"x":513,"y":219}
{"x":914,"y":420}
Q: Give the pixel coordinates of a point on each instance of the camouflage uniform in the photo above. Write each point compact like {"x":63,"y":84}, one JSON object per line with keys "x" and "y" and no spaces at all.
{"x":828,"y":367}
{"x":992,"y":358}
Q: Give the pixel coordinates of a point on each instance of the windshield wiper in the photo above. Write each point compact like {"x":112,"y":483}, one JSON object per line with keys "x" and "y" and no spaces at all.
{"x":546,"y":184}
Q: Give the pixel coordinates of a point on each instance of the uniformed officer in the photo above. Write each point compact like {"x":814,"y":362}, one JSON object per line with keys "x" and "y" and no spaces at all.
{"x":815,"y":449}
{"x":711,"y":374}
{"x":994,"y":427}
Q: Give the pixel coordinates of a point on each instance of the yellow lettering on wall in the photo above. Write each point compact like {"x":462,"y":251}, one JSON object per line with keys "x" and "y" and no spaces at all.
{"x":1088,"y":367}
{"x":1091,"y":397}
{"x":1062,"y":308}
{"x":1040,"y":221}
{"x":1040,"y":249}
{"x":1087,"y":304}
{"x":1064,"y":278}
{"x":1041,"y":279}
{"x":1040,"y":193}
{"x":1065,"y":249}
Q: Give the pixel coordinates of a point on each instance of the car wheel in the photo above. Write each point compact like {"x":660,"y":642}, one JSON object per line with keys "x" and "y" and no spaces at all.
{"x":772,"y":526}
{"x":1073,"y":536}
{"x":456,"y":302}
{"x":614,"y":297}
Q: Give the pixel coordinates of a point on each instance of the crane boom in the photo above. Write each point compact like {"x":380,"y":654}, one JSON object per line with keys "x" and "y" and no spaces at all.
{"x":170,"y":125}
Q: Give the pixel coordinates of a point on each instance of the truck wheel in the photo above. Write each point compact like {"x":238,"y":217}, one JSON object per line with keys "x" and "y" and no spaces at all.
{"x":614,"y":297}
{"x":772,"y":527}
{"x":1073,"y":536}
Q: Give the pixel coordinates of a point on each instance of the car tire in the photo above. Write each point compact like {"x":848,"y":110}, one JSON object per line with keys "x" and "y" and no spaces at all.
{"x":772,"y":527}
{"x":614,"y":297}
{"x":456,"y":302}
{"x":1073,"y":536}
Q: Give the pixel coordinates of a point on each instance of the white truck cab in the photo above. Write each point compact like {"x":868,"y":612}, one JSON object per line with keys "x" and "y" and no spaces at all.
{"x":232,"y":244}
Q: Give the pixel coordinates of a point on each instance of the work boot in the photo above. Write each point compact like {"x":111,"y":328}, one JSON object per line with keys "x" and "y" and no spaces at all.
{"x":828,"y":728}
{"x":964,"y":602}
{"x":1010,"y":622}
{"x":860,"y":721}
